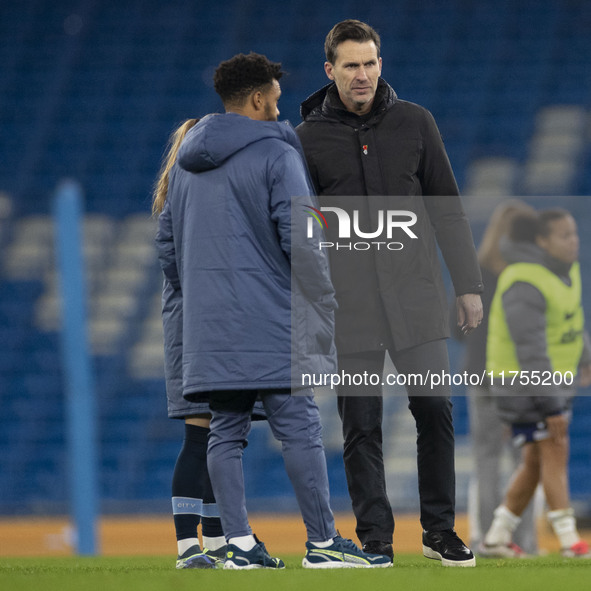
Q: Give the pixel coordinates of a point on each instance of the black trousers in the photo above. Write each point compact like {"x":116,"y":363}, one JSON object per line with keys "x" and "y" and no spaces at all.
{"x":361,"y":410}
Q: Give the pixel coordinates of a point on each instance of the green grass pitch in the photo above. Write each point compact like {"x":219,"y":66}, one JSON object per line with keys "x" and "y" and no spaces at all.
{"x":410,"y":572}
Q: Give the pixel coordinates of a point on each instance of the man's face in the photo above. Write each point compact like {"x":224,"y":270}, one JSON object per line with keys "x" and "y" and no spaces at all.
{"x":356,"y":71}
{"x":271,"y":98}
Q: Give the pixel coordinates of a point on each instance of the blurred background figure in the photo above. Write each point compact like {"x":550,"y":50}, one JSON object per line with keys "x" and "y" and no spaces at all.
{"x":489,"y":436}
{"x":536,"y":328}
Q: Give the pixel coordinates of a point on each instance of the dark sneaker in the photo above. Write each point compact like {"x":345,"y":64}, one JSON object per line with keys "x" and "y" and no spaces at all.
{"x":258,"y":557}
{"x":218,"y":556}
{"x":342,"y":553}
{"x":446,"y":546}
{"x":375,"y":547}
{"x":194,"y":558}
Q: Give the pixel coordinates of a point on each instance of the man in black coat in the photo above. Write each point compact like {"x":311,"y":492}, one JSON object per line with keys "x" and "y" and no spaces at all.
{"x":379,"y":164}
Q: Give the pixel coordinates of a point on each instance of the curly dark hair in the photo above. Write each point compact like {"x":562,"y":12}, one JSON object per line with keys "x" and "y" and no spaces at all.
{"x":242,"y":74}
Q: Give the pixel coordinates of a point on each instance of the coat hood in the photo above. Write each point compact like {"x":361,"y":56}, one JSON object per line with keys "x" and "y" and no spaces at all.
{"x":326,"y":101}
{"x":217,"y":137}
{"x":521,"y":252}
{"x":528,"y":252}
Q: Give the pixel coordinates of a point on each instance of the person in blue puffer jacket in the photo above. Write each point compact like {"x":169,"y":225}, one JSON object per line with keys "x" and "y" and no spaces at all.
{"x":257,"y":302}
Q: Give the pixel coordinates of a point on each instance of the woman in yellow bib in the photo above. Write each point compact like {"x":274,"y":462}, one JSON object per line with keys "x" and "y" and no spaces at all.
{"x":537,"y":352}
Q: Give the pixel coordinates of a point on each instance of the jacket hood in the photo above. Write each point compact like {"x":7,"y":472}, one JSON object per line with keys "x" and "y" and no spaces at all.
{"x":217,"y":137}
{"x":528,"y":252}
{"x":326,"y":102}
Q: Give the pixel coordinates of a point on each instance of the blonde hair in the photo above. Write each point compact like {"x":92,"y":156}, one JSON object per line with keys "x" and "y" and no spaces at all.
{"x":174,"y":143}
{"x":489,"y":254}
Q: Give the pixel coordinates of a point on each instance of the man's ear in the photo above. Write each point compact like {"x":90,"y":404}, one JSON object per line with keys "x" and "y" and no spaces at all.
{"x":257,"y":100}
{"x":328,"y":67}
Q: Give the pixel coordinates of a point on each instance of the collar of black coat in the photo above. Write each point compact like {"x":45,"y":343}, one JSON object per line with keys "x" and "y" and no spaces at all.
{"x":325,"y":104}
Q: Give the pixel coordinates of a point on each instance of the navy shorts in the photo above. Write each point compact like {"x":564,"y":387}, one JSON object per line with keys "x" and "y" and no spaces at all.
{"x":523,"y":433}
{"x":240,"y":400}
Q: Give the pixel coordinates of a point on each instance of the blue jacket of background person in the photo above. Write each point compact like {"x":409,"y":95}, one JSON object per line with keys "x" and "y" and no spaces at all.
{"x":234,"y":243}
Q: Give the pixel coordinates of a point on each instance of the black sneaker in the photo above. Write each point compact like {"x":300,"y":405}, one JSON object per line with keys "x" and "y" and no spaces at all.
{"x":376,"y":547}
{"x":446,"y":546}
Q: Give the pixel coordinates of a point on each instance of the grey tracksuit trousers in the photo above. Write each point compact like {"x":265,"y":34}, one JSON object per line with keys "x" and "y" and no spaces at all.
{"x":295,"y":422}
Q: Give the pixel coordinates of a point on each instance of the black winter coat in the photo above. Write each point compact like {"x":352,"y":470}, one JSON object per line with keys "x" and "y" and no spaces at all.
{"x":392,"y":159}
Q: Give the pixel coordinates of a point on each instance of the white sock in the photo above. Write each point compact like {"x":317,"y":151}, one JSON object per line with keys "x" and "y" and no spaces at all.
{"x":564,"y":526}
{"x":245,"y":543}
{"x":184,"y":545}
{"x":502,"y":527}
{"x":323,"y":544}
{"x":214,"y":543}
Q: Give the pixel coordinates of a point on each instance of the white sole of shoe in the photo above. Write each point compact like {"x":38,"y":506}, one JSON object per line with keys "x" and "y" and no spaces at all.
{"x":329,"y":565}
{"x":232,"y":566}
{"x":229,"y":565}
{"x":430,"y":553}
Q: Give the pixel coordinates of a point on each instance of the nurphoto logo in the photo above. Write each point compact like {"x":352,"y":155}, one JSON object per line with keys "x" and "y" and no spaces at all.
{"x":388,"y":222}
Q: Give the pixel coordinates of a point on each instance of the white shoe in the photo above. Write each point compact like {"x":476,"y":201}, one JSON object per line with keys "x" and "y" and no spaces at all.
{"x":510,"y":550}
{"x":578,"y":550}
